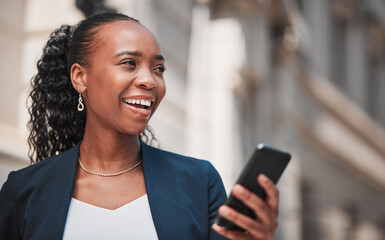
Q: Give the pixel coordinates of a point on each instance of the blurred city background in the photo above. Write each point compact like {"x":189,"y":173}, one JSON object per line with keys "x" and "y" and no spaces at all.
{"x":305,"y":75}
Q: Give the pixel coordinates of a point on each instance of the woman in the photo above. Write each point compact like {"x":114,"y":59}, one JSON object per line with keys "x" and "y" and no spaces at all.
{"x":98,"y":84}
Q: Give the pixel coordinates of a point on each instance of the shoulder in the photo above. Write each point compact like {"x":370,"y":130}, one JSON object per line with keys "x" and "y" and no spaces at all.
{"x":181,"y":173}
{"x":38,"y":168}
{"x":45,"y":169}
{"x":179,"y":162}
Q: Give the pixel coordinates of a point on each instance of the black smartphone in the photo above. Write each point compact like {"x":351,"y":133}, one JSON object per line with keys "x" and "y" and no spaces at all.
{"x":266,"y":159}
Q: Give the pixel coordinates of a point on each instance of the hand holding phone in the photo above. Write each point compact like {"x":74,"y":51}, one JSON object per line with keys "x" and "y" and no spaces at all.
{"x":267,"y":160}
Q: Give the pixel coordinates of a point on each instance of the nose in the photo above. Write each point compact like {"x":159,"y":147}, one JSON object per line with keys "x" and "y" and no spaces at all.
{"x":145,"y":80}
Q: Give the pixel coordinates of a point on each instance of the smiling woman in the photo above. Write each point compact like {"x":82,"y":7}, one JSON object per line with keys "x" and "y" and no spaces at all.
{"x":97,"y":86}
{"x":129,"y":66}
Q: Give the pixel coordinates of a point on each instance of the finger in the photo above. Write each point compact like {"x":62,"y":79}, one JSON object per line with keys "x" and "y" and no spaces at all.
{"x":272,"y":194}
{"x":231,"y":234}
{"x":264,"y":213}
{"x":255,"y":228}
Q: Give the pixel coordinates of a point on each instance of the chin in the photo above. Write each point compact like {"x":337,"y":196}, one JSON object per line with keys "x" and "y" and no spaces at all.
{"x":135,"y":130}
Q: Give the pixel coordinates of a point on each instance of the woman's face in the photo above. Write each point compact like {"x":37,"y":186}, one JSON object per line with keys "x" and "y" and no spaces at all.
{"x":124,"y":80}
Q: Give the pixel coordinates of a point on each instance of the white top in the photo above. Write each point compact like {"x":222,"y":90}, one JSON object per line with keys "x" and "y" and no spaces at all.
{"x":131,"y":221}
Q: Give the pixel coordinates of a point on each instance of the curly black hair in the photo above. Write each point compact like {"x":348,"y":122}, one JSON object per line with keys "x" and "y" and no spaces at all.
{"x":55,"y":125}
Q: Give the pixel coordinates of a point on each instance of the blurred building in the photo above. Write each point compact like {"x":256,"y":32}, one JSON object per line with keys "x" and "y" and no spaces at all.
{"x":304,"y":75}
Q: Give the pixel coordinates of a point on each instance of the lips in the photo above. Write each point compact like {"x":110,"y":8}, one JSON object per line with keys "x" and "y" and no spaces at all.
{"x":139,"y":103}
{"x":141,"y":106}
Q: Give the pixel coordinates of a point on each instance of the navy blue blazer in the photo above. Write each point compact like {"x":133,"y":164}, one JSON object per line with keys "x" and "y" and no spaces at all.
{"x":184,"y":195}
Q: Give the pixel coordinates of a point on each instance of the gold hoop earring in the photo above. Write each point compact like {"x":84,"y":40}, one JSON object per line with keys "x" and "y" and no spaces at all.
{"x":80,"y":104}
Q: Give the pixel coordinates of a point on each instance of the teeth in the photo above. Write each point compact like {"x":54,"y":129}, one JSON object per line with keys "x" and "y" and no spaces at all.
{"x":138,"y":101}
{"x":145,"y":103}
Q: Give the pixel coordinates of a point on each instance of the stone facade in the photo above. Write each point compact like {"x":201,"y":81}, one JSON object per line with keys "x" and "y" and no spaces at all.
{"x":304,"y":75}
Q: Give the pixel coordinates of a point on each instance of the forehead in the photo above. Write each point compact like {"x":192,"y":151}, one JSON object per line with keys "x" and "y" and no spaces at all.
{"x":126,"y":35}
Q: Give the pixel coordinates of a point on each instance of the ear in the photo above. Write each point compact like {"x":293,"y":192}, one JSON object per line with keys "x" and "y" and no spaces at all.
{"x":79,"y":77}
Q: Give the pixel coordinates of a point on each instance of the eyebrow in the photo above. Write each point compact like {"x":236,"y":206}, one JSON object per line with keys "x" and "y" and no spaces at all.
{"x":138,"y":54}
{"x":159,"y":57}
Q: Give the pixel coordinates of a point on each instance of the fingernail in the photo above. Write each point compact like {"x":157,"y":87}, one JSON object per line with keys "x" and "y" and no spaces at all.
{"x":225,"y":211}
{"x":264,"y":178}
{"x":239,"y":189}
{"x":216,"y":227}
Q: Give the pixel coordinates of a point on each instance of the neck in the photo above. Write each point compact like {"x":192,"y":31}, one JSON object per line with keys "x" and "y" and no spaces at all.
{"x":109,"y":151}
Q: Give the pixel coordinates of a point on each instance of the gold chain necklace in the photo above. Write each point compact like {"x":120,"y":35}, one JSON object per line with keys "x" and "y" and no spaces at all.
{"x":108,"y":174}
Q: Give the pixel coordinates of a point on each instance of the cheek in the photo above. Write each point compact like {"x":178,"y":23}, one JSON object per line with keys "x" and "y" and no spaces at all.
{"x":162,"y":90}
{"x":161,"y":93}
{"x":109,"y":81}
{"x":103,"y":91}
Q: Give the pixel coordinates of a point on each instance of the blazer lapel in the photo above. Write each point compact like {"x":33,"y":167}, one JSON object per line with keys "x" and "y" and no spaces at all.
{"x":166,"y":207}
{"x":52,"y":204}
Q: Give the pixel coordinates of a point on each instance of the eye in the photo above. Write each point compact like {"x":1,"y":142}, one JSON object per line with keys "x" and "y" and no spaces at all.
{"x":160,"y":68}
{"x":130,"y":62}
